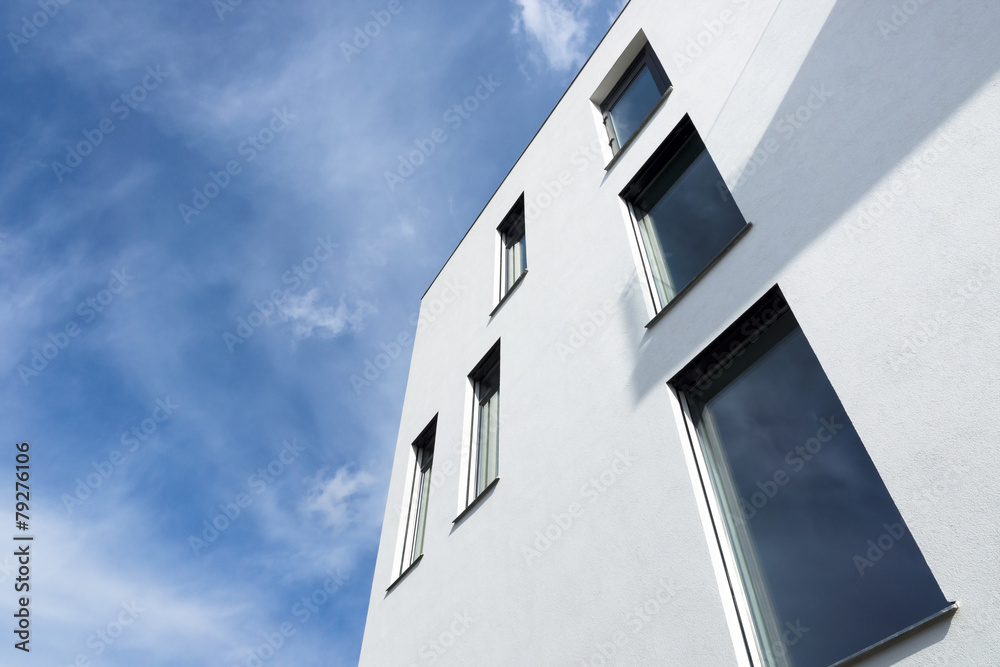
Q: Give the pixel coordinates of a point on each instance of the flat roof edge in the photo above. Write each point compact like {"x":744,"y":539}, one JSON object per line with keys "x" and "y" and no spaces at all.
{"x":531,"y":141}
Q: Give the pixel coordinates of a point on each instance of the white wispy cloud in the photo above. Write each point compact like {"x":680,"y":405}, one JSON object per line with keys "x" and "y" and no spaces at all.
{"x":334,"y":497}
{"x":309,"y":318}
{"x":557,"y":27}
{"x":615,"y":10}
{"x":81,"y":595}
{"x":128,"y":543}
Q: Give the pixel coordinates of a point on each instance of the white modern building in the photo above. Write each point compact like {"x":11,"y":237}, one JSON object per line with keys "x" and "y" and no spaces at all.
{"x":714,"y":378}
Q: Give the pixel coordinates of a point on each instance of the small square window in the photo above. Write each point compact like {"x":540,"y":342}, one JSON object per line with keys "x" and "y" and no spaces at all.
{"x":828,"y":566}
{"x":419,"y":497}
{"x":634,"y":97}
{"x":513,"y":257}
{"x":683,"y":213}
{"x":484,"y":446}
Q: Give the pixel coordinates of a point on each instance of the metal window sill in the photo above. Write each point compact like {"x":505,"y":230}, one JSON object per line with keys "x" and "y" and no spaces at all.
{"x":476,"y":501}
{"x":514,"y":286}
{"x":899,"y":636}
{"x":701,"y":274}
{"x":402,"y":575}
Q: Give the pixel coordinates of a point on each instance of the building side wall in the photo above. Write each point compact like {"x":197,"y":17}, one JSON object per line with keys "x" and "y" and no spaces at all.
{"x":874,"y":209}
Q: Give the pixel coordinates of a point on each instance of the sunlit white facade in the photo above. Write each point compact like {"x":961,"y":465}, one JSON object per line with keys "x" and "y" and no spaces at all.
{"x":571,"y":516}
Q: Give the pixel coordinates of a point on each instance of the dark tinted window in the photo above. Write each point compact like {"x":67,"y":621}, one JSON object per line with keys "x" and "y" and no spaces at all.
{"x":634,"y":105}
{"x":684,"y":212}
{"x":634,"y":97}
{"x":828,"y":562}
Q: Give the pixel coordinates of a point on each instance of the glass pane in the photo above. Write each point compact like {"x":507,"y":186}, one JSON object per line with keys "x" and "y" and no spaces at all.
{"x":411,"y":515}
{"x":424,"y":497}
{"x":827,"y":561}
{"x":489,"y":383}
{"x":492,"y":438}
{"x":512,"y":272}
{"x":515,"y":262}
{"x":489,"y":422}
{"x":483,"y":446}
{"x":686,"y":217}
{"x":634,"y":105}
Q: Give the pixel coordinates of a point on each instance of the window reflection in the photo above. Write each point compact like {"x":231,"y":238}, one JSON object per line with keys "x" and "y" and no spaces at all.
{"x":634,"y":97}
{"x":634,"y":105}
{"x":827,"y":561}
{"x":685,"y":218}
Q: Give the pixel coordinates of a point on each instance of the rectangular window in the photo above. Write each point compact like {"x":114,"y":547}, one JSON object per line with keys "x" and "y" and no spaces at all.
{"x":483,"y":468}
{"x":420,"y":493}
{"x":827,"y":564}
{"x":513,"y":259}
{"x":683,"y":213}
{"x":633,"y":98}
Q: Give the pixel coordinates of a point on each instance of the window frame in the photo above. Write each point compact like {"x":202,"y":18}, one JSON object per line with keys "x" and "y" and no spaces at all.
{"x":512,"y":241}
{"x":485,"y":376}
{"x":665,"y":154}
{"x":745,"y":631}
{"x":419,"y":476}
{"x":645,"y":58}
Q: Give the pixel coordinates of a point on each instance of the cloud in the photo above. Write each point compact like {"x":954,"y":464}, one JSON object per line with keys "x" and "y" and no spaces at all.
{"x":331,"y":497}
{"x":309,"y":319}
{"x":82,"y":594}
{"x":557,"y":27}
{"x":616,"y":10}
{"x":161,"y":337}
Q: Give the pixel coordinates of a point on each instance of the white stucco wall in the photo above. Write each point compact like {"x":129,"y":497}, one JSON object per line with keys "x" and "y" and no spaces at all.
{"x":903,"y":128}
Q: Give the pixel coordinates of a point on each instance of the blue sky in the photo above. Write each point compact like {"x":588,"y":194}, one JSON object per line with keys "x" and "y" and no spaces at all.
{"x":199,"y":247}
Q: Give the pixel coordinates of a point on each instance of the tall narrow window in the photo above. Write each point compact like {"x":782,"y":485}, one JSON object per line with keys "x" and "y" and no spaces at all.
{"x":828,"y":566}
{"x":634,"y":97}
{"x":683,"y":213}
{"x":420,"y":493}
{"x":483,"y":469}
{"x":513,"y":260}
